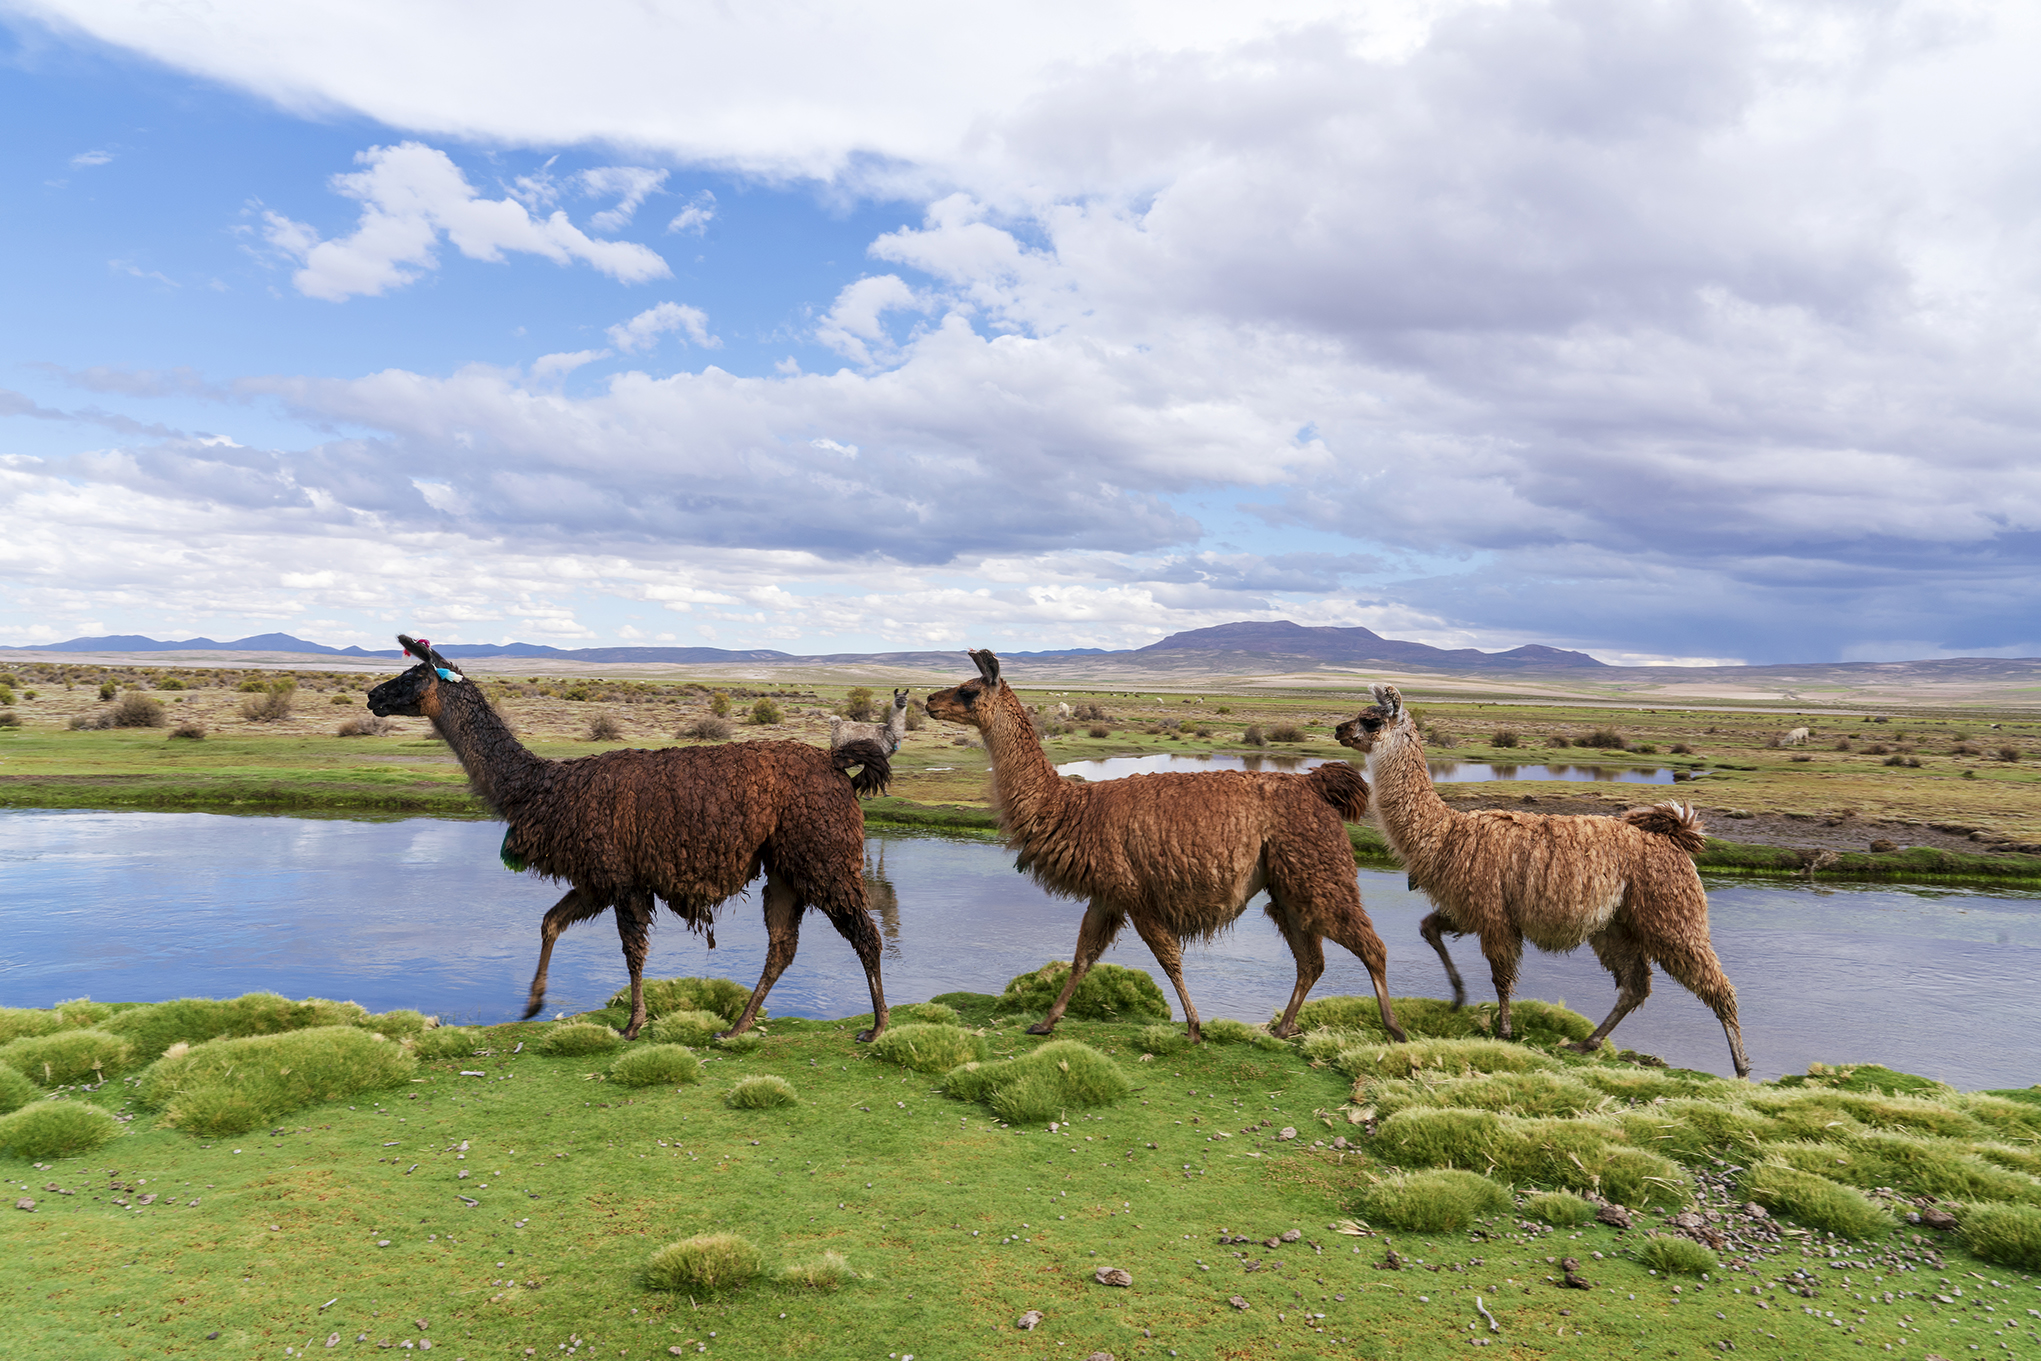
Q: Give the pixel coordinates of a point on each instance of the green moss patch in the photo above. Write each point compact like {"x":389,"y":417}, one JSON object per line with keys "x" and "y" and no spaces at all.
{"x":1046,"y":1084}
{"x":928,"y":1048}
{"x":232,"y":1086}
{"x":656,"y":1065}
{"x":686,"y":1027}
{"x":154,"y":1028}
{"x":1108,"y":993}
{"x":575,"y":1039}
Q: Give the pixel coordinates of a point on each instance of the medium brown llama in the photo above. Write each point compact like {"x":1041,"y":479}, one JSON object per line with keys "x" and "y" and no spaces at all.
{"x":1624,"y":885}
{"x":1178,"y":854}
{"x":688,"y":825}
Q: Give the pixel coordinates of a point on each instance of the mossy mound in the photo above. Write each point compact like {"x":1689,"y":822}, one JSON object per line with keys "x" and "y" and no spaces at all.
{"x":55,"y":1129}
{"x":1813,"y":1200}
{"x":1559,"y":1209}
{"x":1361,"y":1058}
{"x":67,"y":1056}
{"x":152,"y":1029}
{"x":928,"y":1048}
{"x":656,"y":1065}
{"x":686,"y":1027}
{"x":574,"y":1039}
{"x":16,"y":1091}
{"x":1432,"y":1202}
{"x":830,"y":1271}
{"x":1676,"y":1256}
{"x":1108,"y":993}
{"x":760,"y":1093}
{"x":1865,"y":1077}
{"x":1044,"y":1084}
{"x":1163,"y":1039}
{"x":1225,"y":1031}
{"x":662,"y":995}
{"x":2007,"y":1234}
{"x":928,"y":1013}
{"x":232,"y":1086}
{"x":449,"y":1042}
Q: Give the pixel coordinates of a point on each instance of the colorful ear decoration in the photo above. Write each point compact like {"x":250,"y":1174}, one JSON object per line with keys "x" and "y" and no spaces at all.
{"x":421,"y":648}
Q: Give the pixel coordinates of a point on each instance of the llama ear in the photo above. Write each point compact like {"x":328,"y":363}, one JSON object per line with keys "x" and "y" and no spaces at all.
{"x":1387,"y":699}
{"x":988,"y":665}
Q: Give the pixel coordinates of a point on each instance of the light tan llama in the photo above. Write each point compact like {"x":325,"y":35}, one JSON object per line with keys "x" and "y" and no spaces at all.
{"x":1624,"y":885}
{"x":1180,"y":855}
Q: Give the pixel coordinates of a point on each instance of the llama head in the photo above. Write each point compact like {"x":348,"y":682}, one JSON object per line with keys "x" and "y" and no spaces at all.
{"x":970,"y":702}
{"x":415,"y":693}
{"x":1371,"y":724}
{"x":899,"y":699}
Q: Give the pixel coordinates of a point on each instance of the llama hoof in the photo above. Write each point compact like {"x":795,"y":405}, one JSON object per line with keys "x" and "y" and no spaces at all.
{"x":1045,"y":1028}
{"x":867,"y":1036}
{"x":1283,"y":1032}
{"x":1582,"y":1046}
{"x":1398,"y":1034}
{"x":533,"y":1009}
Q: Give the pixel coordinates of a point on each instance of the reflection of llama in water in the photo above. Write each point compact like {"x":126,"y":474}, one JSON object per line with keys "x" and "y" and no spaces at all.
{"x":883,"y":899}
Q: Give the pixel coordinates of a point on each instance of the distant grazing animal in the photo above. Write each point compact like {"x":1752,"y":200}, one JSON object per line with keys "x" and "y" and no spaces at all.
{"x":1178,"y":854}
{"x":1794,"y":738}
{"x":889,"y":735}
{"x":689,"y":825}
{"x":1625,"y":885}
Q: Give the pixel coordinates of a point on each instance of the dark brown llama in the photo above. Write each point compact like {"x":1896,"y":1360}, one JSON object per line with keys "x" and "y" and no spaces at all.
{"x":688,"y":825}
{"x":1624,"y":885}
{"x":1178,"y":854}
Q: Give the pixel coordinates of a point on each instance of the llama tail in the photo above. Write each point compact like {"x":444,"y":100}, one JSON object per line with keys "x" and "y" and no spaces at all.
{"x":1677,"y":822}
{"x":1342,"y":786}
{"x":876,"y":772}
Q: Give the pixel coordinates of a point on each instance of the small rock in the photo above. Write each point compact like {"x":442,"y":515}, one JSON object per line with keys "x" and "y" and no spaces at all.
{"x":1027,"y":1322}
{"x":422,"y":1324}
{"x":1883,"y":844}
{"x":1292,"y":1235}
{"x":1574,"y":1280}
{"x":670,"y":1351}
{"x":1391,"y":1262}
{"x":1938,"y":1219}
{"x":1112,"y":1275}
{"x":213,"y":1334}
{"x":1271,"y":1242}
{"x":1287,"y":1132}
{"x":333,"y":1340}
{"x":1339,"y":1141}
{"x":1757,"y":1211}
{"x":1237,"y":1302}
{"x":1613,"y":1215}
{"x":24,"y":1204}
{"x":1099,"y":1356}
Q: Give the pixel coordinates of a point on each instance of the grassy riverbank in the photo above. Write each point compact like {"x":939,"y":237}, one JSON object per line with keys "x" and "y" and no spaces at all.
{"x":503,"y":1202}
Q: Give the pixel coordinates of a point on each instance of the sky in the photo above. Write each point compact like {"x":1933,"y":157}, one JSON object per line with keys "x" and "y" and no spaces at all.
{"x":1674,"y":332}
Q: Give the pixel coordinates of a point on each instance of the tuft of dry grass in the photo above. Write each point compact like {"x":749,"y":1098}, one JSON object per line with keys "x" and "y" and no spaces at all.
{"x":830,"y":1271}
{"x":708,"y":729}
{"x":605,"y":728}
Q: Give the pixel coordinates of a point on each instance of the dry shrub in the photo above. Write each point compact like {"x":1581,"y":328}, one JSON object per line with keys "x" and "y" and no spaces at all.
{"x":272,"y":704}
{"x":1290,"y":732}
{"x":364,"y":725}
{"x":55,"y":1129}
{"x":1254,"y":737}
{"x":709,"y":729}
{"x":765,"y":713}
{"x":707,"y":1262}
{"x":1503,"y":738}
{"x":190,"y":730}
{"x":2008,"y":753}
{"x":1098,"y":730}
{"x":1605,"y":739}
{"x":605,"y":728}
{"x":9,"y":719}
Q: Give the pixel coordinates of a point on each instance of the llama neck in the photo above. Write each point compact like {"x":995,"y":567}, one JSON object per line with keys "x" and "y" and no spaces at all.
{"x":1032,"y":796}
{"x":896,"y":726}
{"x":499,"y":766}
{"x":1406,"y":801}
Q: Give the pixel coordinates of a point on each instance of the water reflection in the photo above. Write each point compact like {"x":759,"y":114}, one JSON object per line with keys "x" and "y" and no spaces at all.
{"x":1443,"y":772}
{"x":144,"y":906}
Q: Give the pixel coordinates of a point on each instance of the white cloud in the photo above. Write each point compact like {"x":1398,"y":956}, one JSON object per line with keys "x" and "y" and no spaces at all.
{"x":642,"y":332}
{"x":91,"y":158}
{"x":700,"y":211}
{"x":630,"y":185}
{"x":853,"y":326}
{"x":411,"y":194}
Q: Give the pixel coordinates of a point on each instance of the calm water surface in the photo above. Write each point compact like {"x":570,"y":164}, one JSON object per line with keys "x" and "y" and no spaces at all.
{"x":1443,"y":772}
{"x":419,"y":913}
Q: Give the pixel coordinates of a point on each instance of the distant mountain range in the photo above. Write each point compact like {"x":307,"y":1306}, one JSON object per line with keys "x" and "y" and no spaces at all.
{"x":1278,"y":640}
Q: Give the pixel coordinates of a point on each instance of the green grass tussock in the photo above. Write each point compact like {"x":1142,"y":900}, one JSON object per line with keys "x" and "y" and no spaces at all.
{"x":2005,"y":1119}
{"x":67,"y":1056}
{"x":928,"y":1048}
{"x":16,"y":1091}
{"x":750,"y":1042}
{"x":686,"y":1027}
{"x":1814,"y":1200}
{"x":1441,"y":1058}
{"x":760,"y":1093}
{"x":1432,"y":1202}
{"x":232,"y":1086}
{"x":574,"y":1039}
{"x":1531,"y":1094}
{"x":1559,"y":1209}
{"x":1535,"y":1022}
{"x":657,"y":1065}
{"x":2013,"y":1158}
{"x":662,"y":995}
{"x":55,"y":1129}
{"x":1867,"y":1079}
{"x":1225,"y":1031}
{"x":1676,"y":1256}
{"x":19,"y":1022}
{"x":1108,"y":993}
{"x":928,"y":1013}
{"x":830,"y":1271}
{"x":449,"y":1042}
{"x":398,"y":1025}
{"x":1162,"y":1039}
{"x":1439,"y":1136}
{"x":706,"y":1263}
{"x":194,"y":1020}
{"x":1929,"y":1167}
{"x":1648,"y":1084}
{"x":2007,"y":1234}
{"x":1042,"y":1084}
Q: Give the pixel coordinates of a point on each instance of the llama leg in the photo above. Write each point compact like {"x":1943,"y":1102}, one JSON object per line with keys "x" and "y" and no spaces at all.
{"x":1168,"y":952}
{"x":1361,"y":940}
{"x":1623,"y":955}
{"x":783,"y":911}
{"x":1433,"y":929}
{"x":634,"y":928}
{"x":854,"y":924}
{"x":1101,"y":924}
{"x":578,"y":905}
{"x":1698,"y":971}
{"x":1503,"y":951}
{"x":1309,"y":952}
